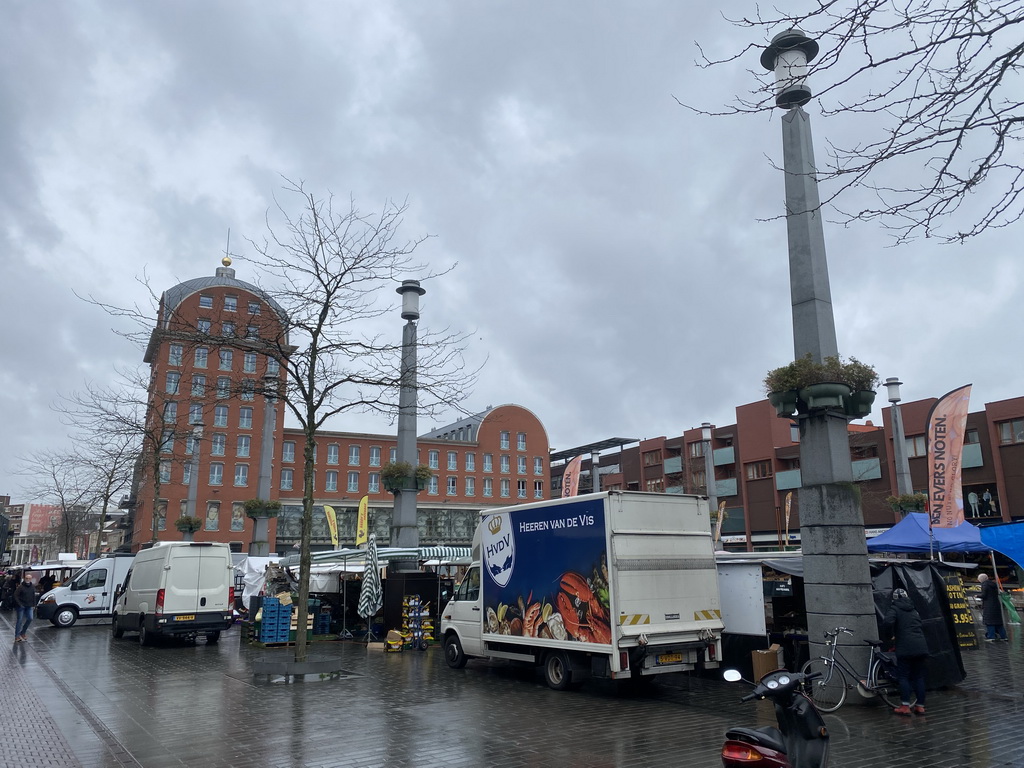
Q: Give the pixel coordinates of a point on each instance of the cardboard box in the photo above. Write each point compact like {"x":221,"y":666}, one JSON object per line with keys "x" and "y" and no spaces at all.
{"x":767,"y":660}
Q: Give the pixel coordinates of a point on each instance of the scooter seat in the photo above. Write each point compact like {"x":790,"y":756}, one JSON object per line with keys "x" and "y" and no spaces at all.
{"x":768,"y":736}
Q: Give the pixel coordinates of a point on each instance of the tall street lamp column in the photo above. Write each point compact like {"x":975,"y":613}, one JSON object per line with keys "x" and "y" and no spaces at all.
{"x":837,"y":579}
{"x":193,"y":475}
{"x":260,"y":544}
{"x":709,"y":468}
{"x":904,"y":485}
{"x":404,"y":528}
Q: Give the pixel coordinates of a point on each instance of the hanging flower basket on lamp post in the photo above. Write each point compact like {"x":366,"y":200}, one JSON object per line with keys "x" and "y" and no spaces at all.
{"x":261,"y":508}
{"x":805,"y":386}
{"x":188,"y":525}
{"x":402,"y":476}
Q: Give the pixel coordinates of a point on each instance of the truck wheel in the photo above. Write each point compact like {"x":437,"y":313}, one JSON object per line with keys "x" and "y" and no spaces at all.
{"x":144,"y":635}
{"x":453,"y":653}
{"x":212,"y":637}
{"x":557,"y":672}
{"x":115,"y":628}
{"x":65,"y":617}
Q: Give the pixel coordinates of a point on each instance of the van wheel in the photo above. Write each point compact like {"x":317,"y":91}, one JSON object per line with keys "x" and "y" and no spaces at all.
{"x":557,"y":672}
{"x":144,"y":635}
{"x":66,"y":617}
{"x":212,"y":638}
{"x":453,"y":653}
{"x":115,"y":628}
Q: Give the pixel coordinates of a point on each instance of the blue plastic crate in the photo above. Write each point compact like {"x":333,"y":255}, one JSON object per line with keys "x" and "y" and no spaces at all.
{"x":271,"y":602}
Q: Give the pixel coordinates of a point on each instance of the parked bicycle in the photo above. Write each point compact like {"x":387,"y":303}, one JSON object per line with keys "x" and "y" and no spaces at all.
{"x":834,"y":674}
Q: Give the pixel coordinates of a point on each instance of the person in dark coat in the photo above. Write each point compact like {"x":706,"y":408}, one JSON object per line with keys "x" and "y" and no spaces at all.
{"x":904,"y":622}
{"x":991,"y":610}
{"x":25,"y":598}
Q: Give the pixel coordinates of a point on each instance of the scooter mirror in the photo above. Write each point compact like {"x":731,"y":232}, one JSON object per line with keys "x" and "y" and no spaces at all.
{"x":732,"y":675}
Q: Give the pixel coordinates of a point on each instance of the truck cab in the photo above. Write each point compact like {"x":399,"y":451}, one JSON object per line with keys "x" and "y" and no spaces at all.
{"x":463,"y":614}
{"x":89,"y":594}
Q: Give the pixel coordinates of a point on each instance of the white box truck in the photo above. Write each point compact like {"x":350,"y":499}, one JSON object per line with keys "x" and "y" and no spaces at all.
{"x":619,"y":585}
{"x":177,"y":588}
{"x":89,"y":594}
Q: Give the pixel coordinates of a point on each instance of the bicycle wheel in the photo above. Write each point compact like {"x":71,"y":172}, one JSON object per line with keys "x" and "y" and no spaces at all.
{"x":828,"y":692}
{"x":886,"y":687}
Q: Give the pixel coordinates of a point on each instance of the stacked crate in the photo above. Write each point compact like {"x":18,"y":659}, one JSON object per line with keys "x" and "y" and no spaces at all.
{"x":293,"y":625}
{"x":276,"y":621}
{"x":323,"y":621}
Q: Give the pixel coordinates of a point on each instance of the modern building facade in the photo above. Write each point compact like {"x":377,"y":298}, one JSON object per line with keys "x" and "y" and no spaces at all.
{"x":757,"y":469}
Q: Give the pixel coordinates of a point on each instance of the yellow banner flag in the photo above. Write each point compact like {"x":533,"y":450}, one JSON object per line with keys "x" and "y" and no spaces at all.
{"x":332,"y":524}
{"x":361,"y":533}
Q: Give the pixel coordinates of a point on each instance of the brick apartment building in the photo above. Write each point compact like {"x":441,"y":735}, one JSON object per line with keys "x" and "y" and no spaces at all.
{"x":757,"y":464}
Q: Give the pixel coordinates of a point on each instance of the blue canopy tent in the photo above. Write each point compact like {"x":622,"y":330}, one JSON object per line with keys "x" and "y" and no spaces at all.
{"x":911,"y":535}
{"x":1007,"y":539}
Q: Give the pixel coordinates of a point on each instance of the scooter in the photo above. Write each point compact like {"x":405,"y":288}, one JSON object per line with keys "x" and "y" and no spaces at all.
{"x":800,"y":741}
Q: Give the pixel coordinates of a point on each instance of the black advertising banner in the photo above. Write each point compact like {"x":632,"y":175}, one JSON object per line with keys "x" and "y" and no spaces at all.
{"x":963,"y":619}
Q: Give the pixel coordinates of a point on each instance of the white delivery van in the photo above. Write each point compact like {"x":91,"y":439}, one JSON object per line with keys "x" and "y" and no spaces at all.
{"x":89,"y":594}
{"x":177,"y":588}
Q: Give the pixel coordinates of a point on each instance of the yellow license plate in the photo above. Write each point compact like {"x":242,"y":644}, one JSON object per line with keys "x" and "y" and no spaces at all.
{"x":185,"y":617}
{"x":670,"y":658}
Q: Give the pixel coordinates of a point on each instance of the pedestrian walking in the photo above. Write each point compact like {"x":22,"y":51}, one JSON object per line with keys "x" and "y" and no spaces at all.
{"x":904,"y":622}
{"x":991,"y":610}
{"x":24,"y":602}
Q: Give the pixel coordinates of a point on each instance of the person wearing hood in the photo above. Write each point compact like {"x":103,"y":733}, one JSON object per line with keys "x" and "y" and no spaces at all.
{"x":991,"y":610}
{"x":904,"y":622}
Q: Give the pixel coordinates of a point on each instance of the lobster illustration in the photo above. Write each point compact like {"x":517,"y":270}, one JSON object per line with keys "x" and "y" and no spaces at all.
{"x":584,"y":617}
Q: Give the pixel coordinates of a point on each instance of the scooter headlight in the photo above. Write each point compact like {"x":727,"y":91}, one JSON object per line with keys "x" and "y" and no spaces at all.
{"x":784,"y":680}
{"x":772,"y":684}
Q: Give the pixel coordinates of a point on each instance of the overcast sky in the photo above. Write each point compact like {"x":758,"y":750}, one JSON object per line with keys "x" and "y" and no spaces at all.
{"x":613,"y":259}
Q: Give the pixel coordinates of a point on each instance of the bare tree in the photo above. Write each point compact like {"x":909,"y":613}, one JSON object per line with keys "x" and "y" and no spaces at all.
{"x":328,"y":269}
{"x":934,"y":90}
{"x":63,"y":480}
{"x":111,"y":459}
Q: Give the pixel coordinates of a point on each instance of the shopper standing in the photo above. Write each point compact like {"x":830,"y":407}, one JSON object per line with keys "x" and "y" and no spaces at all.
{"x":903,"y":621}
{"x":24,"y":602}
{"x":991,"y":610}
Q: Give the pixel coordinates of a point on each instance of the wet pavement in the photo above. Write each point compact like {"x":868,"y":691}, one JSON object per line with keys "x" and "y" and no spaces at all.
{"x":76,"y":697}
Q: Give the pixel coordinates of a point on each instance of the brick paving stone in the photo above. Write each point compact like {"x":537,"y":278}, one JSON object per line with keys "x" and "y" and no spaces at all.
{"x":198,"y":705}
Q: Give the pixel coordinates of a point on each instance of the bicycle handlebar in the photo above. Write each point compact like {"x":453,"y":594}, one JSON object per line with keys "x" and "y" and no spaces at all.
{"x":835,"y":632}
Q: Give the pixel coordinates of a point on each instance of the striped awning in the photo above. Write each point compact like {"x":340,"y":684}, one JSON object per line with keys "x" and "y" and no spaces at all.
{"x":444,"y":553}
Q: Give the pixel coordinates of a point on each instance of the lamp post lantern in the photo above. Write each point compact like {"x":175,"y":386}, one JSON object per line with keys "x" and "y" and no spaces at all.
{"x":904,"y":485}
{"x":837,"y":581}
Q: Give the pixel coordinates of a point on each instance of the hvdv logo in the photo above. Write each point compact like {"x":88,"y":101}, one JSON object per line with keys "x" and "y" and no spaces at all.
{"x":499,"y":548}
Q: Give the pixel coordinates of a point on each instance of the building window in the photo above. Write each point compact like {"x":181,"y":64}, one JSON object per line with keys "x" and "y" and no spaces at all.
{"x":1011,"y":431}
{"x":286,"y":479}
{"x":165,"y":470}
{"x":248,"y":390}
{"x":170,"y":413}
{"x":697,"y":450}
{"x":353,"y":482}
{"x":190,"y":441}
{"x":273,"y":367}
{"x":520,"y":441}
{"x":488,"y":487}
{"x":655,"y":486}
{"x":504,"y":464}
{"x":167,"y":441}
{"x":249,"y":362}
{"x":174,"y":352}
{"x":504,"y":441}
{"x":288,"y":451}
{"x":195,"y":413}
{"x":453,"y":461}
{"x":471,"y":462}
{"x":203,"y":326}
{"x":241,"y":475}
{"x":173,"y":377}
{"x":538,"y":489}
{"x":374,"y":482}
{"x":218,"y":444}
{"x":488,"y":462}
{"x":393,"y":455}
{"x":198,"y":386}
{"x":230,"y":303}
{"x":331,"y":483}
{"x":227,"y":330}
{"x":206,"y":302}
{"x":375,"y":456}
{"x":245,"y":417}
{"x":652,"y":458}
{"x":220,"y":416}
{"x":332,"y":453}
{"x":353,"y":455}
{"x":453,"y":486}
{"x":242,"y":448}
{"x":212,"y":516}
{"x":520,"y":489}
{"x":226,"y":358}
{"x":434,"y":459}
{"x":223,"y":387}
{"x":520,"y":465}
{"x":471,"y":486}
{"x":216,"y":473}
{"x":699,"y":479}
{"x":254,"y":307}
{"x":538,"y":465}
{"x":916,"y":446}
{"x":432,"y":485}
{"x":199,"y":360}
{"x":252,"y":332}
{"x":971,"y":437}
{"x":758,"y":470}
{"x":186,"y":475}
{"x":505,"y":488}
